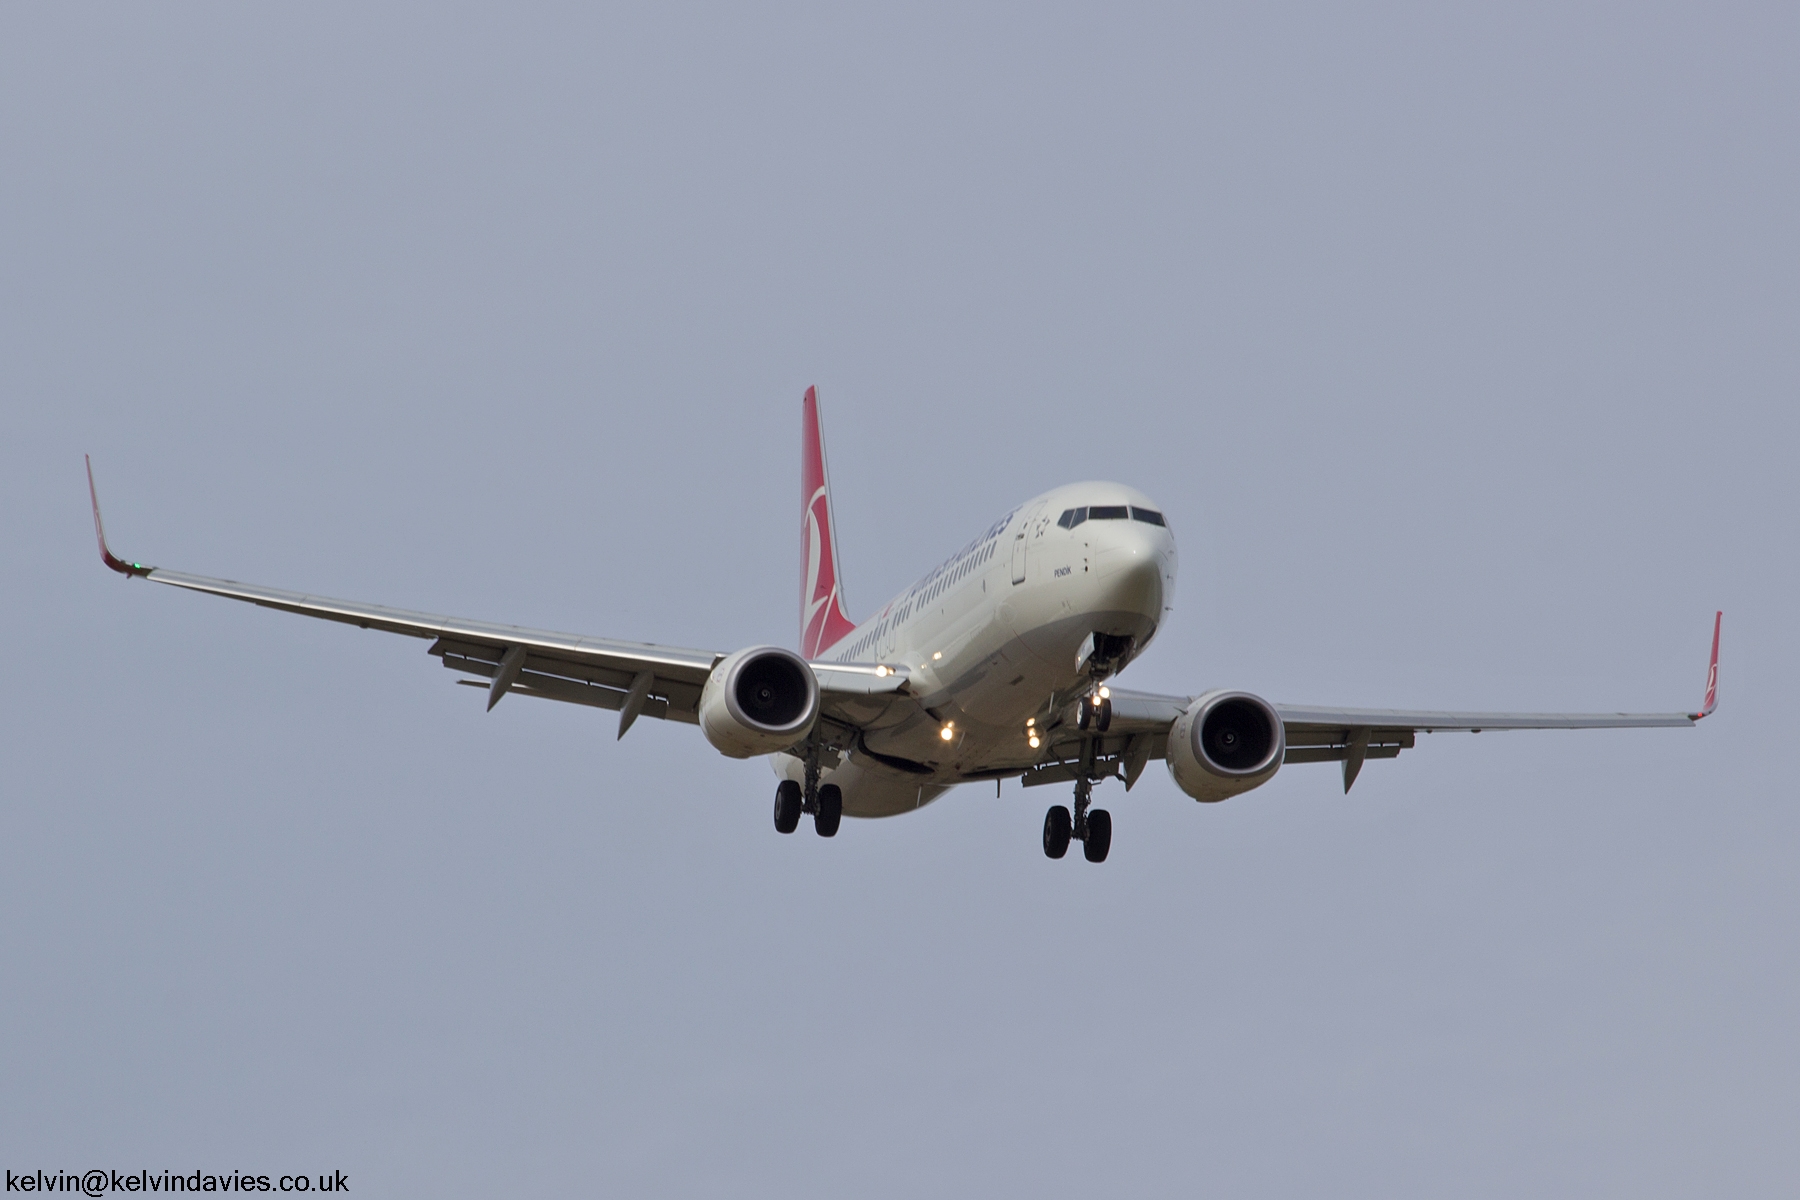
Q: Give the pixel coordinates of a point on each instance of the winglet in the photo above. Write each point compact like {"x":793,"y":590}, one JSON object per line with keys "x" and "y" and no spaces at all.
{"x":1712,"y":672}
{"x":106,"y":555}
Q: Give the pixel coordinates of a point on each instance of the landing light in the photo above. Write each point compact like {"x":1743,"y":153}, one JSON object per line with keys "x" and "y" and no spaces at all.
{"x":947,"y":733}
{"x":1030,"y":721}
{"x":937,"y":656}
{"x":881,"y":672}
{"x":1105,"y":692}
{"x":1033,"y":741}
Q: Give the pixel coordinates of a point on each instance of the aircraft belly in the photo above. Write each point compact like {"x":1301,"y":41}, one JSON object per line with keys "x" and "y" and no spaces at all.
{"x":875,"y":791}
{"x":915,"y":739}
{"x":998,"y":688}
{"x":870,"y":789}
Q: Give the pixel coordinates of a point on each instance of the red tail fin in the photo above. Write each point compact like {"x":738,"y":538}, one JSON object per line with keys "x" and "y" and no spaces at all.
{"x":822,"y":620}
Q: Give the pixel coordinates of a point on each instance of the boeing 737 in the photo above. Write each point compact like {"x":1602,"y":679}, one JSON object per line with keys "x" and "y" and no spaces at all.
{"x":998,"y":664}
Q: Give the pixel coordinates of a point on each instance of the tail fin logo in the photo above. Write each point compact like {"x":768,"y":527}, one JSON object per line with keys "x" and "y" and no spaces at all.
{"x":822,"y":620}
{"x":819,"y":590}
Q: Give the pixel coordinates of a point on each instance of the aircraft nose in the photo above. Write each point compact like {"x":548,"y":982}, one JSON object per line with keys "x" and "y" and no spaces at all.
{"x":1129,"y":571}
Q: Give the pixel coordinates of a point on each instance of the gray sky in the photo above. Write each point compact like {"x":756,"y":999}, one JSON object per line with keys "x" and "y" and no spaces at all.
{"x":1459,"y":346}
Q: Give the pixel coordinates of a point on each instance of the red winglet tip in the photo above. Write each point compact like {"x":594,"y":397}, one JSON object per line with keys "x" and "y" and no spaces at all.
{"x":1712,"y":672}
{"x":112,"y":560}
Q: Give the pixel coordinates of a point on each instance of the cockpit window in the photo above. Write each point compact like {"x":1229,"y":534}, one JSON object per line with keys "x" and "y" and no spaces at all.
{"x":1072,"y":517}
{"x":1148,"y":516}
{"x":1108,"y":512}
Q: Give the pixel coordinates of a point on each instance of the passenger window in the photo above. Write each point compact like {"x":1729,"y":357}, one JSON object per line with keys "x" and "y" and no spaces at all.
{"x":1148,"y":516}
{"x":1108,"y":512}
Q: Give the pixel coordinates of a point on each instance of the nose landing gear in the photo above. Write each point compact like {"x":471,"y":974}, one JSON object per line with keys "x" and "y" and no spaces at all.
{"x":1092,"y":829}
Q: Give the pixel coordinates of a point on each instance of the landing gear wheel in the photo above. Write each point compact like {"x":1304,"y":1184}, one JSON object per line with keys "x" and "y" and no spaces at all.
{"x":787,"y":807}
{"x":831,"y":810}
{"x":1094,"y":714}
{"x":1057,"y":827}
{"x":1099,"y":835}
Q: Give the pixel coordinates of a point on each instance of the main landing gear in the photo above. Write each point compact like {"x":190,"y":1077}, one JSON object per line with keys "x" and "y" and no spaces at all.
{"x":1092,"y":829}
{"x":787,"y":806}
{"x":824,"y":801}
{"x":828,"y":810}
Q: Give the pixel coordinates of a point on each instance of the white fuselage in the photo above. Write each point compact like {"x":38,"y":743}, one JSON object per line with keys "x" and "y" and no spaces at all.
{"x":995,"y":637}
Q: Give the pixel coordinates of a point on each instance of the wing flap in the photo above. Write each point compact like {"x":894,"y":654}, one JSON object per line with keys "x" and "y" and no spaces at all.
{"x":570,"y":691}
{"x":574,"y":682}
{"x":477,"y":659}
{"x":1309,"y":754}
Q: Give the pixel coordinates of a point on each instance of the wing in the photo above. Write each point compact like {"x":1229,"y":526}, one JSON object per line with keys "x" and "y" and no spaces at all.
{"x":1353,"y":735}
{"x":1140,"y":725}
{"x":664,"y":680}
{"x":632,"y":678}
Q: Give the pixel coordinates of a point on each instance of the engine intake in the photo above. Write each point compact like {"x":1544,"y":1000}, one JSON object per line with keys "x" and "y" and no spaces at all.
{"x":1225,"y":743}
{"x":759,"y":701}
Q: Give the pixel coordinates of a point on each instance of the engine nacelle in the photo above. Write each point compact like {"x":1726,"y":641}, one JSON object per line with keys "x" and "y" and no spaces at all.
{"x":1225,"y":743}
{"x":759,"y":701}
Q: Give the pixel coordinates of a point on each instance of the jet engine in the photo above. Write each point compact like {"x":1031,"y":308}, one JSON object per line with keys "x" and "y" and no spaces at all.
{"x":759,"y":701}
{"x":1225,"y":743}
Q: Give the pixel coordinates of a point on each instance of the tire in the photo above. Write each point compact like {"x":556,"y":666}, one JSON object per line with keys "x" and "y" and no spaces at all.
{"x":787,"y":806}
{"x":1084,"y":716}
{"x":1103,"y":716}
{"x":1099,"y":838}
{"x":1057,"y":825}
{"x":831,"y":810}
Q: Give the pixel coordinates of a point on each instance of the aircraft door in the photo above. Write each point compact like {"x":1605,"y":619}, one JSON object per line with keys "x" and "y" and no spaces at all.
{"x":1018,"y":548}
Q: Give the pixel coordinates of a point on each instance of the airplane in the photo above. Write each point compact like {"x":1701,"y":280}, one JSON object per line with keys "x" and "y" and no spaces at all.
{"x":997,"y":664}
